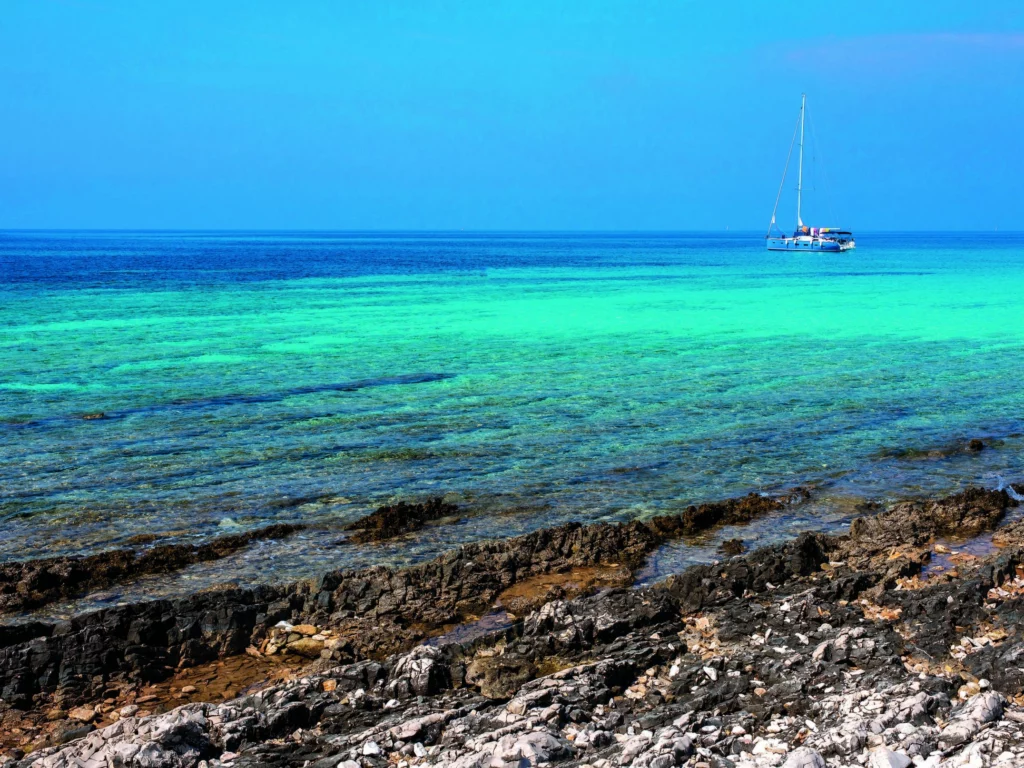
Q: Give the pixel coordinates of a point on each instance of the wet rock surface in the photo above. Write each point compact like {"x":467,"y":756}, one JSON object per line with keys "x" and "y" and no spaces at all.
{"x":913,"y":523}
{"x":393,"y":520}
{"x":34,"y":583}
{"x":814,"y":653}
{"x":728,"y":512}
{"x":532,"y":593}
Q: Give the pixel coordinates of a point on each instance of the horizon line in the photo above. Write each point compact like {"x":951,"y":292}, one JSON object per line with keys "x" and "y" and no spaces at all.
{"x":401,"y":231}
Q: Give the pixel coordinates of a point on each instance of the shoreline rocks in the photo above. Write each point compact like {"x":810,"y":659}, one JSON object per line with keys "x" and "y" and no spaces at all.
{"x":30,"y":584}
{"x":825,"y":651}
{"x":911,"y":523}
{"x":378,"y":611}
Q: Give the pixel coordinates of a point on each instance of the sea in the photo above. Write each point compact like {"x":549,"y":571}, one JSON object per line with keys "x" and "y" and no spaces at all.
{"x":250,"y":378}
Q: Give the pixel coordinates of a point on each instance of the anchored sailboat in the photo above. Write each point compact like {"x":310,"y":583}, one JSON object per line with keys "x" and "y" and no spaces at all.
{"x":804,"y":238}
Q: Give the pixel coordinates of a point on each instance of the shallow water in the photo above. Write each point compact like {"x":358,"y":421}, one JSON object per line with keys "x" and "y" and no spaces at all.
{"x":252,"y":378}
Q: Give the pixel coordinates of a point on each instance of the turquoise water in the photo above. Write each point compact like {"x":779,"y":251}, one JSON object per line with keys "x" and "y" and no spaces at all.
{"x":253,"y":378}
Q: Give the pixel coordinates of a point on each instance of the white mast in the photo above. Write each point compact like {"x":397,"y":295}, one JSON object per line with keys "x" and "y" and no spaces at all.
{"x":800,"y":177}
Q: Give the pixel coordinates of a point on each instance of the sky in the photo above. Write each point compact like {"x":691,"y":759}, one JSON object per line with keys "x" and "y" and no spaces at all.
{"x":509,"y":115}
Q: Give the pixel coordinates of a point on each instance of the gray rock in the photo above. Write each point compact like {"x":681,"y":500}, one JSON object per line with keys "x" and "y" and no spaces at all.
{"x":886,"y":758}
{"x":979,"y":709}
{"x":804,"y":757}
{"x":536,"y":746}
{"x":418,"y":673}
{"x":633,"y":747}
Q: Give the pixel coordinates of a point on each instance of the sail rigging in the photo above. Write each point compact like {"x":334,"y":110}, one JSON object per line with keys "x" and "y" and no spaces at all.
{"x":782,"y":184}
{"x":805,"y":238}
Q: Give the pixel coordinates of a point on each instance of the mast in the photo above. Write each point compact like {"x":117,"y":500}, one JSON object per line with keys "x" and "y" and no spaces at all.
{"x":800,"y":176}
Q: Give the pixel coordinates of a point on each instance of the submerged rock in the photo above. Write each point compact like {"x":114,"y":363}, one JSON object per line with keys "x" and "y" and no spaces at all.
{"x":705,"y":516}
{"x":498,"y":677}
{"x":733,"y":547}
{"x":34,"y":583}
{"x":396,"y":519}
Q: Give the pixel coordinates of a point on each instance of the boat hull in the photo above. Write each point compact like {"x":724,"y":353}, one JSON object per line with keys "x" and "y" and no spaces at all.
{"x":807,"y":244}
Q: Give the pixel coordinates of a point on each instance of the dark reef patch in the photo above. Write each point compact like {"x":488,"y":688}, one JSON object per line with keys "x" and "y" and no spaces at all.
{"x":272,"y":397}
{"x":934,"y":452}
{"x":242,"y":399}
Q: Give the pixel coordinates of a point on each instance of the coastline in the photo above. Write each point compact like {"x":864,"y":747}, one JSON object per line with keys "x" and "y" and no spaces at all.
{"x":365,"y":630}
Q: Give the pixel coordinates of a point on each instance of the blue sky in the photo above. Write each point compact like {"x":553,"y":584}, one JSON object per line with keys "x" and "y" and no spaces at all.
{"x":508,"y":115}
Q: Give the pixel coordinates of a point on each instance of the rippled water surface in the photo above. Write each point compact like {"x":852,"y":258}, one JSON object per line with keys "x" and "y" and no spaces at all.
{"x":251,"y":378}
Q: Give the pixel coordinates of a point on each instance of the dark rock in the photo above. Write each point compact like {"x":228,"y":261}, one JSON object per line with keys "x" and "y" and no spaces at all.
{"x":397,"y":519}
{"x":733,"y":547}
{"x":34,"y":583}
{"x":967,"y":513}
{"x":705,"y":516}
{"x":387,"y":610}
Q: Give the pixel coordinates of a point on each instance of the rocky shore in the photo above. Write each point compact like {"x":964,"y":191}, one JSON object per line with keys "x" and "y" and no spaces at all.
{"x":35,"y":583}
{"x":884,"y":647}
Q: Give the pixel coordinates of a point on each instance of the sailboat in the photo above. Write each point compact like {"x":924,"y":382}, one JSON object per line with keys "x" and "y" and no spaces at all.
{"x":805,"y":238}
